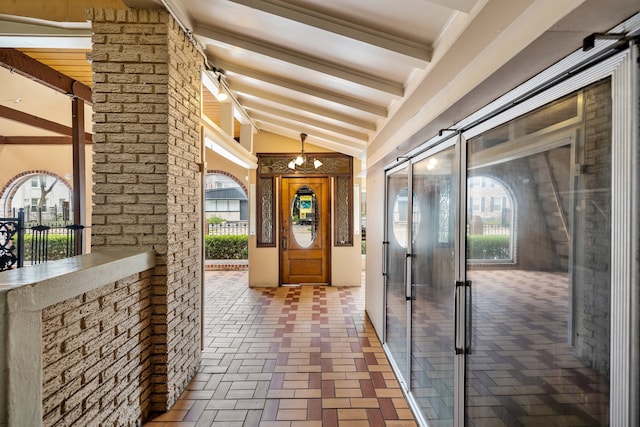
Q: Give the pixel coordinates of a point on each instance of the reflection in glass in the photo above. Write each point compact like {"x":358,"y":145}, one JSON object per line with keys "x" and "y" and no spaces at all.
{"x":490,"y":230}
{"x":396,"y":294}
{"x":303,"y":216}
{"x":433,"y":272}
{"x":399,"y":217}
{"x":541,"y":324}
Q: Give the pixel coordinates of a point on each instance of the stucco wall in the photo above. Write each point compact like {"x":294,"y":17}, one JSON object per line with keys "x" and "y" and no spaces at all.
{"x":374,"y":292}
{"x":216,"y":162}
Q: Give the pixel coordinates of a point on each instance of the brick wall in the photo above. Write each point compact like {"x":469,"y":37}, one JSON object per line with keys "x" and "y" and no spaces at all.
{"x":96,"y":356}
{"x":184,"y":253}
{"x":592,"y":275}
{"x":146,"y":176}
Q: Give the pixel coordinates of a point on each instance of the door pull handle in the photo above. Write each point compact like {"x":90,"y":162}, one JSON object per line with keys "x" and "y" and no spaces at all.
{"x":462,"y":344}
{"x":468,"y":316}
{"x":458,"y":348}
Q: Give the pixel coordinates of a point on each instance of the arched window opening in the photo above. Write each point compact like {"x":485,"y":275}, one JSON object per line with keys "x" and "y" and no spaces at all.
{"x":45,"y":198}
{"x":490,"y":221}
{"x":226,"y":204}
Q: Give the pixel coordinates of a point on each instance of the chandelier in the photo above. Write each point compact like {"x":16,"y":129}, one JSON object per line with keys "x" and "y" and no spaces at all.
{"x":301,"y":159}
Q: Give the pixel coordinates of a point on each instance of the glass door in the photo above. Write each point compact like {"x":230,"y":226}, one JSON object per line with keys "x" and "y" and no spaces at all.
{"x":396,"y":240}
{"x":433,"y":285}
{"x":509,"y":266}
{"x":538,"y":251}
{"x":420,"y":281}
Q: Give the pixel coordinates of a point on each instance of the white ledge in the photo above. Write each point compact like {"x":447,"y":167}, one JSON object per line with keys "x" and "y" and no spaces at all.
{"x":38,"y":286}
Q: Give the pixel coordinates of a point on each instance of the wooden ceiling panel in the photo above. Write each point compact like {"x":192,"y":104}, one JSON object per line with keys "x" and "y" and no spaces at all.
{"x":211,"y":109}
{"x":74,"y":63}
{"x":71,"y":62}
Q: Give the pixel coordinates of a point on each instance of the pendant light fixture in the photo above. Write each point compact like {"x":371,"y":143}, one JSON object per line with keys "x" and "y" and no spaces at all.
{"x":301,"y":159}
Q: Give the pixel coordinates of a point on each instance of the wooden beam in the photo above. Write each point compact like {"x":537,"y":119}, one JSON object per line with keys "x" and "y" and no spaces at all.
{"x":79,"y":175}
{"x":39,"y":122}
{"x":365,"y":34}
{"x":302,"y":60}
{"x":28,"y":67}
{"x":37,"y":140}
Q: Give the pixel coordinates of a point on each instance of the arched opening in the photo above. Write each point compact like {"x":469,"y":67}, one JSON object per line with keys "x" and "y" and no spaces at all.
{"x":491,"y":233}
{"x":44,"y":196}
{"x":225,"y":199}
{"x":226,"y":211}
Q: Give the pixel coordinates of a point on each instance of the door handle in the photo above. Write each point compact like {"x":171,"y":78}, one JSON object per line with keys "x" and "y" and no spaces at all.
{"x":462,"y":290}
{"x":408,"y":278}
{"x":459,"y":349}
{"x":385,"y":247}
{"x":284,"y":243}
{"x":468,"y":316}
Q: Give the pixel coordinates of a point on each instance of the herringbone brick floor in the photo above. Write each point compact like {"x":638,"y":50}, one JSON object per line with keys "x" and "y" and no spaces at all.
{"x":302,"y":356}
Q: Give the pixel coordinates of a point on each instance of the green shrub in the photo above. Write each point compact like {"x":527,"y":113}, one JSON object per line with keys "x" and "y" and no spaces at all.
{"x":488,"y":247}
{"x":226,"y":247}
{"x":216,"y":220}
{"x":57,"y":247}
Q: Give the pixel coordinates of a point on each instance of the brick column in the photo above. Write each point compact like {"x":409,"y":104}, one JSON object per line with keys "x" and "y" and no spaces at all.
{"x":147,"y":185}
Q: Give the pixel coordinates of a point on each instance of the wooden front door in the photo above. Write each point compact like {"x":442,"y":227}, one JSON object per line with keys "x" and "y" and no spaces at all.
{"x":304,"y":231}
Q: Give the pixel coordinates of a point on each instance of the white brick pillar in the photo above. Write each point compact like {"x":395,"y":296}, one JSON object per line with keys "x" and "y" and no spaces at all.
{"x":146,"y":86}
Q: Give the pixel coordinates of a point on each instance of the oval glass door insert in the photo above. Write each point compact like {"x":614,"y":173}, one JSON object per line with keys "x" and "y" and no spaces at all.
{"x":304,"y":209}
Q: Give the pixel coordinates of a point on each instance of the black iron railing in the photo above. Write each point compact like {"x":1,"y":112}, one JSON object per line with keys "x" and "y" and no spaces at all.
{"x":38,"y":243}
{"x":12,"y":242}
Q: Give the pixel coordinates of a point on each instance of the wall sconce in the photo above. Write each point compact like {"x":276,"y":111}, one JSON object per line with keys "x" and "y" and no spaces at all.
{"x":302,"y":158}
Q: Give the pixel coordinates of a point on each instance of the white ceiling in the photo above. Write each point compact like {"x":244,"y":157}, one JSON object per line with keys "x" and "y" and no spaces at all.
{"x":369,"y":78}
{"x":334,"y":70}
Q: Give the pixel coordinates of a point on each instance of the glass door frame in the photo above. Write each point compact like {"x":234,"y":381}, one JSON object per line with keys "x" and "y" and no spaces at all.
{"x":625,"y":270}
{"x":459,"y":308}
{"x":404,"y":382}
{"x":622,"y":68}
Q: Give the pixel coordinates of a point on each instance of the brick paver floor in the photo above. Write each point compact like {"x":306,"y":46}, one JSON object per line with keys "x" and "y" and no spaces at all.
{"x":303,"y":356}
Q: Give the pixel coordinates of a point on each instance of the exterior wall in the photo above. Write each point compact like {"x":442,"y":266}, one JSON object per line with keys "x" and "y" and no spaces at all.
{"x":147,"y":184}
{"x":96,"y":356}
{"x":374,"y":292}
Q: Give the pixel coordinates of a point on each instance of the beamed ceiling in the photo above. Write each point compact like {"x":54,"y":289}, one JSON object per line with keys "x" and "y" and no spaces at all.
{"x":360,"y":77}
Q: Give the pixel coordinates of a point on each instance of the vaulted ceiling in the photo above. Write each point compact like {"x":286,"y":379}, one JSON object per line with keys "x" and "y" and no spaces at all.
{"x":335,"y":70}
{"x":360,"y":77}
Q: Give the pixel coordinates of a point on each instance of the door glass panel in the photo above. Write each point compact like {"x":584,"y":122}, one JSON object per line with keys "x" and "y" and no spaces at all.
{"x":396,"y":299}
{"x":303,"y":216}
{"x":433,"y":278}
{"x":490,"y":228}
{"x":540,"y":317}
{"x":401,"y":220}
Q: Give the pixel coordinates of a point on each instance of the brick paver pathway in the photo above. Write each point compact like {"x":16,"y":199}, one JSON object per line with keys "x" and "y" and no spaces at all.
{"x":303,"y":356}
